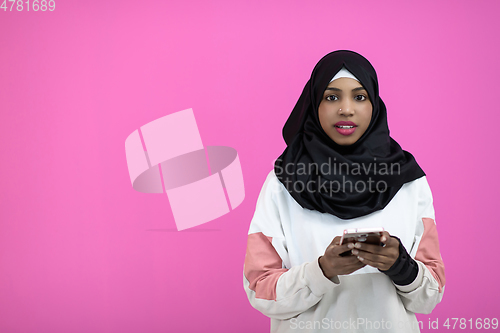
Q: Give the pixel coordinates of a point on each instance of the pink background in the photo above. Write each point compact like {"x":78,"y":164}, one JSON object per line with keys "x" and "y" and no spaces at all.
{"x":81,"y":251}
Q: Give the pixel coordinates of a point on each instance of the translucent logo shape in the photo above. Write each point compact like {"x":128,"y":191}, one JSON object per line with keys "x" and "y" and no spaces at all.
{"x":201,"y":183}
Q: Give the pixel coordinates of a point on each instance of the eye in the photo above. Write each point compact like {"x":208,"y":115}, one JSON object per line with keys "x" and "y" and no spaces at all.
{"x":331,"y":98}
{"x":360,"y":98}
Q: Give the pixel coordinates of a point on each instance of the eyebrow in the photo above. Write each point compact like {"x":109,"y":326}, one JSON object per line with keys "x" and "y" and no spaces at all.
{"x":337,"y":89}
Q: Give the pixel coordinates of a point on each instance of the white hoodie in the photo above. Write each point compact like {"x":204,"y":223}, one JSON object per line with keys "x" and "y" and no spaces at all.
{"x":283,"y":280}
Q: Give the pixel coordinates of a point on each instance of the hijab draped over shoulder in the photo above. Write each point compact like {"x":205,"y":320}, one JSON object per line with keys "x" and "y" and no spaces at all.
{"x":345,"y":181}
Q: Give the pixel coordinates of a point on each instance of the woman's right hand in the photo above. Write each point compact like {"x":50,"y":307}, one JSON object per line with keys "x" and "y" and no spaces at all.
{"x":333,"y":264}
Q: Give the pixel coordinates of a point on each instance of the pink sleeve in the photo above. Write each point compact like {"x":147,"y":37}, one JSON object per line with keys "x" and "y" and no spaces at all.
{"x":428,"y":252}
{"x":263,"y":266}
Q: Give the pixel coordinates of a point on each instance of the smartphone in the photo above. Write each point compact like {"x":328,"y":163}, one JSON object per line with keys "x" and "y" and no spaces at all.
{"x":365,"y":235}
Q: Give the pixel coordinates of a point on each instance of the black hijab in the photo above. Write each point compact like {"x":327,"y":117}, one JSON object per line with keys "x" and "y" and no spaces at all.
{"x":346,"y":181}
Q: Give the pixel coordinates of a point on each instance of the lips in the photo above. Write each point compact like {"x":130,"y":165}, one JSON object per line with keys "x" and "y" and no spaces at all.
{"x":345,"y":127}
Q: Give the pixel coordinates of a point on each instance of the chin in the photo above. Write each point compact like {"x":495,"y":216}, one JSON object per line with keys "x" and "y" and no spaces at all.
{"x":344,"y":142}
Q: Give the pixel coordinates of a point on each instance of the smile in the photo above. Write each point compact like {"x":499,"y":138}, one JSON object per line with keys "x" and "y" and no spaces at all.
{"x":345,"y":127}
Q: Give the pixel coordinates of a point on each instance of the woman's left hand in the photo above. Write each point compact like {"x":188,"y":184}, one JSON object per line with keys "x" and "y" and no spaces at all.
{"x":381,"y":257}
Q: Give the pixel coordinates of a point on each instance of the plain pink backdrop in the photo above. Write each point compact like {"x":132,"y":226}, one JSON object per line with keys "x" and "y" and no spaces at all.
{"x":81,"y":251}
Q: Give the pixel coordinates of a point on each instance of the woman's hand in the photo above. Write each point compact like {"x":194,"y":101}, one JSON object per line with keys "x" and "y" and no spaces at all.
{"x":333,"y":264}
{"x":381,"y":257}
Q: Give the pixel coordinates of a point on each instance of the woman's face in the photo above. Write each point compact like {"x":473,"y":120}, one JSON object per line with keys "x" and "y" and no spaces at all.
{"x":345,"y":111}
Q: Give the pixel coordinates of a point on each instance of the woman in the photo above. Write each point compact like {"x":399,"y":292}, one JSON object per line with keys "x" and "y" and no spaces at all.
{"x":342,"y":170}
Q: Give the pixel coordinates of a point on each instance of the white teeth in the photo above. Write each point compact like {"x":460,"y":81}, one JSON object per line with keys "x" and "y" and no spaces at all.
{"x":345,"y":127}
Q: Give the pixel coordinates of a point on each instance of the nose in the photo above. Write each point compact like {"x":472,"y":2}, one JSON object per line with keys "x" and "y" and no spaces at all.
{"x":346,"y":108}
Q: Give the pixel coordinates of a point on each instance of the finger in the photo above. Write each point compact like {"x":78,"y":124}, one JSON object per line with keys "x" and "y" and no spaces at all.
{"x":384,"y":237}
{"x":387,"y":240}
{"x":379,"y":261}
{"x":335,"y":242}
{"x":369,"y":247}
{"x":347,"y":261}
{"x":336,"y":250}
{"x":385,"y":255}
{"x":370,"y":256}
{"x":392,"y":242}
{"x":358,"y":263}
{"x":355,"y":265}
{"x":370,"y":262}
{"x":343,"y":261}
